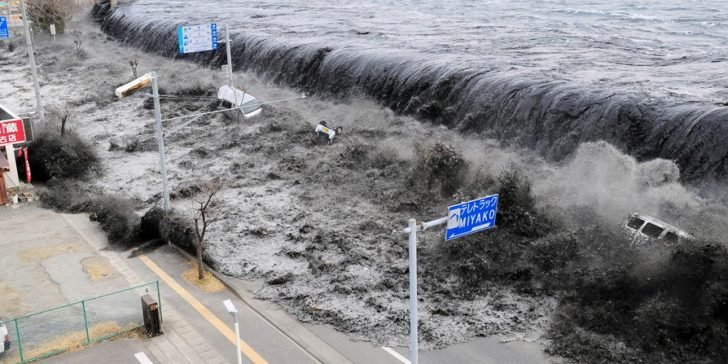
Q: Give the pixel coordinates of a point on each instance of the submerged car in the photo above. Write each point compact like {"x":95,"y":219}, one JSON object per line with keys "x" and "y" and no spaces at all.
{"x":644,"y":229}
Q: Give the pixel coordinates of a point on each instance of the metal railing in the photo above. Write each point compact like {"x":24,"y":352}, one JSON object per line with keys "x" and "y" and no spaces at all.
{"x":42,"y":334}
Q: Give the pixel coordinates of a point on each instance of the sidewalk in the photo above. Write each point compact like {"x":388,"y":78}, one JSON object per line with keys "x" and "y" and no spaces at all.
{"x":192,"y":330}
{"x":181,"y":343}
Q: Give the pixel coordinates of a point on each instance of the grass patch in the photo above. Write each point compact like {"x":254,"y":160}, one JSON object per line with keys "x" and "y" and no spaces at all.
{"x":97,"y":268}
{"x":76,"y":340}
{"x":42,"y":253}
{"x":209,"y":284}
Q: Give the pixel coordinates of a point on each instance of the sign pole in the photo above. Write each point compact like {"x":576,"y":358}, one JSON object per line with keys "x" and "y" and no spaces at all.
{"x":463,"y":219}
{"x":36,"y":85}
{"x":160,"y":139}
{"x":413,"y":289}
{"x":228,"y":46}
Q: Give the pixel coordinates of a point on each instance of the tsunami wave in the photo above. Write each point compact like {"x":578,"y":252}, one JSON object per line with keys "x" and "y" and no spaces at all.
{"x":550,"y":116}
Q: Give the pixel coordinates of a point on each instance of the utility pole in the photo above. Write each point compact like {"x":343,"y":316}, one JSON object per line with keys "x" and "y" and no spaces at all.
{"x":228,"y":47}
{"x":128,"y":89}
{"x":412,"y":248}
{"x":160,"y":140}
{"x":29,"y":41}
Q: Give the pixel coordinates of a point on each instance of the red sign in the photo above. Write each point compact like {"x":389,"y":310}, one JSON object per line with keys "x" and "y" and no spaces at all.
{"x":12,"y":132}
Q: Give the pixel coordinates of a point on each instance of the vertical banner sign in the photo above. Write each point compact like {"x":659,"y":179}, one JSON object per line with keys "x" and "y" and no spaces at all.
{"x":197,"y":38}
{"x":470,"y":217}
{"x":12,"y":132}
{"x":4,"y":32}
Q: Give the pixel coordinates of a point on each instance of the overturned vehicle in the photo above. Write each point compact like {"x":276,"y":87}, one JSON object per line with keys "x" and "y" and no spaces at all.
{"x":643,"y":229}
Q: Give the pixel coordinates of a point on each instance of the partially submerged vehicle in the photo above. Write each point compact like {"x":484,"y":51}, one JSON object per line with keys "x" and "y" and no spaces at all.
{"x":644,"y":229}
{"x":234,"y":98}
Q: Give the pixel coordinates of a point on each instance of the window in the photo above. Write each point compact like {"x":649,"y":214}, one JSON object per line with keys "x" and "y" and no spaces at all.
{"x":671,"y":237}
{"x":652,"y":230}
{"x":635,"y":222}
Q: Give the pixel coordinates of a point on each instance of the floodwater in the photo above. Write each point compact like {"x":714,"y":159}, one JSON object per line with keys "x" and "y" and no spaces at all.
{"x":646,"y":76}
{"x":667,"y":47}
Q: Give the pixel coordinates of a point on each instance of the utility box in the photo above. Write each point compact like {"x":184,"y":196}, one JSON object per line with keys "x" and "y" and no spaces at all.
{"x":152,"y":322}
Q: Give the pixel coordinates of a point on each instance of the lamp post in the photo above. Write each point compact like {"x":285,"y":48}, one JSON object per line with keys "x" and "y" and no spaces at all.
{"x":234,"y":313}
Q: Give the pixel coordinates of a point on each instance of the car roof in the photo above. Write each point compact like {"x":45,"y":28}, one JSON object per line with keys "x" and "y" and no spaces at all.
{"x":662,"y":224}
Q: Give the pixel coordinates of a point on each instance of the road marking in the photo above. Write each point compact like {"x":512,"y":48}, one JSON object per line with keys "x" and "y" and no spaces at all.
{"x":397,"y":355}
{"x":142,"y":358}
{"x":204,"y":311}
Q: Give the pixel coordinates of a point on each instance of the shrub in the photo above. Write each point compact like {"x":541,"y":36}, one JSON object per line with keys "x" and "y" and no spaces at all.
{"x":179,"y":231}
{"x":115,"y":215}
{"x":675,"y":314}
{"x":67,"y":157}
{"x":150,"y":223}
{"x":440,"y":167}
{"x":43,"y":13}
{"x":65,"y":195}
{"x":516,"y":206}
{"x":117,"y":219}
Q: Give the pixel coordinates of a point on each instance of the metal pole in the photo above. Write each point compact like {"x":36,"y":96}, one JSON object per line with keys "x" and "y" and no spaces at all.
{"x":237,"y":339}
{"x":85,"y":322}
{"x":413,"y":289}
{"x":160,"y":140}
{"x":36,"y":85}
{"x":159,"y":302}
{"x":20,"y":343}
{"x":228,"y":47}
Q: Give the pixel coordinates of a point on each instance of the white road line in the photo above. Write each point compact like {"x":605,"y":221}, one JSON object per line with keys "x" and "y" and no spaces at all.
{"x":396,"y":355}
{"x":142,"y":358}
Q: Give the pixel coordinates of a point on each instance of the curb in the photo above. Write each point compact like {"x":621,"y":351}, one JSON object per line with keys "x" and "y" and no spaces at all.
{"x":329,"y":354}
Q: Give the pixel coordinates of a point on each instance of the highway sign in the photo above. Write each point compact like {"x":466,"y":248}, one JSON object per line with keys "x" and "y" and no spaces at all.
{"x":470,"y":217}
{"x":197,"y":38}
{"x":4,"y":32}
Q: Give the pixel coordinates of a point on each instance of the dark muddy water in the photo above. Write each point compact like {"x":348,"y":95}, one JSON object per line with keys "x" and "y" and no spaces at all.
{"x":647,"y":76}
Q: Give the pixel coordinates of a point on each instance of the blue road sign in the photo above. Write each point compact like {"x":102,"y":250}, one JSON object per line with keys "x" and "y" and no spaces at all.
{"x":470,"y":217}
{"x":197,"y":38}
{"x":4,"y":32}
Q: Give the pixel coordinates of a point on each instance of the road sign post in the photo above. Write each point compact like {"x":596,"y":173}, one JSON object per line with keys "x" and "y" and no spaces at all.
{"x":463,"y":219}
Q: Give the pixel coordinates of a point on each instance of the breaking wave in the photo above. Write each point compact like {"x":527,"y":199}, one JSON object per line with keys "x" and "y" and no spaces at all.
{"x":549,"y":115}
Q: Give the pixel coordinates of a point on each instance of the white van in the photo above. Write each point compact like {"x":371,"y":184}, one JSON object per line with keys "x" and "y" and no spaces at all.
{"x":644,"y":229}
{"x":6,"y":339}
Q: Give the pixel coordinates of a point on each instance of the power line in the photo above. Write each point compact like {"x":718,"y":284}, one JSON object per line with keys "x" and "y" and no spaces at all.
{"x":235,"y":108}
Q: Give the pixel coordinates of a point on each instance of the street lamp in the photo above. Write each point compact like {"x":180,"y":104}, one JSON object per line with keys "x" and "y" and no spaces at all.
{"x":234,"y":313}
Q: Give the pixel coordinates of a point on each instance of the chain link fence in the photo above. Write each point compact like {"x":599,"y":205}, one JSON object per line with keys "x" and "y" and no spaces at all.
{"x":41,"y":334}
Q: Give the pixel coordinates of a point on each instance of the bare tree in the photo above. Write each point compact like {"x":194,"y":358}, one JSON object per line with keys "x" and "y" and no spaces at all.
{"x":207,"y":210}
{"x":60,"y":114}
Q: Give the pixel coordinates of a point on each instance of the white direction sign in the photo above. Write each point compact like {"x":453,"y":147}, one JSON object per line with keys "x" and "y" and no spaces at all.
{"x":470,"y":217}
{"x":197,"y":38}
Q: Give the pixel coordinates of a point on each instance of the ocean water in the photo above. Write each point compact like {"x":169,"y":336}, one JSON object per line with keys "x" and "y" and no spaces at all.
{"x":667,"y":47}
{"x":647,"y":76}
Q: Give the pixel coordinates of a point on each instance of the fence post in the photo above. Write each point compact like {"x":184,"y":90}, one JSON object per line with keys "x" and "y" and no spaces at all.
{"x":20,"y":344}
{"x":85,"y":321}
{"x":159,"y":303}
